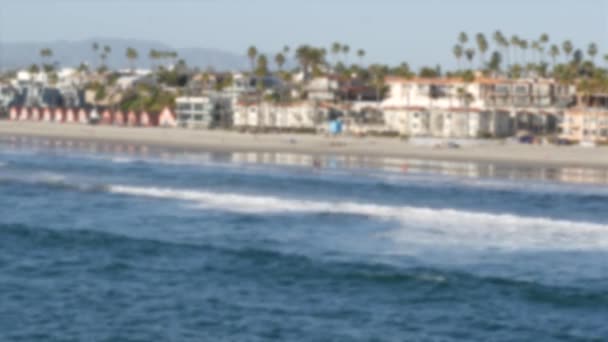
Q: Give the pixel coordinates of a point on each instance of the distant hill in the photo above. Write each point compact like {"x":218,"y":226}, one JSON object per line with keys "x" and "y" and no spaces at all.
{"x":72,"y":53}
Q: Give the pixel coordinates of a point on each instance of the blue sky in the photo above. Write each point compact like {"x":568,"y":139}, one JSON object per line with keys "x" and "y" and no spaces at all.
{"x":417,"y":31}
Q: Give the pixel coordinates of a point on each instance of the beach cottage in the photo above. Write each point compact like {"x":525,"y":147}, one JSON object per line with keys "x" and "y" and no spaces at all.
{"x":119,"y":118}
{"x":144,"y":119}
{"x":47,"y":115}
{"x":35,"y":114}
{"x":106,"y":117}
{"x":24,"y":114}
{"x":58,"y":115}
{"x":166,"y":118}
{"x":82,"y":116}
{"x":13,"y":114}
{"x":69,"y":116}
{"x":132,"y":119}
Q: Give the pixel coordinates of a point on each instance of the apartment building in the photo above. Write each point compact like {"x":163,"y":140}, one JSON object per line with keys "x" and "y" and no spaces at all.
{"x":203,"y":112}
{"x":490,"y":107}
{"x":588,"y":121}
{"x":295,"y":116}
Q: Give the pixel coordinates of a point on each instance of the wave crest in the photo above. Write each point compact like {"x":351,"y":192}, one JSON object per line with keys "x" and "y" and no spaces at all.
{"x":416,"y":226}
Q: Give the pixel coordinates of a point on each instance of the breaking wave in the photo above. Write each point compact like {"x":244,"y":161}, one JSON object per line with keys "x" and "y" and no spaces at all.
{"x":415,"y":225}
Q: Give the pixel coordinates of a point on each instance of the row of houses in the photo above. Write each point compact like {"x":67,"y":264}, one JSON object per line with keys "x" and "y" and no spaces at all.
{"x":165,"y":118}
{"x":303,"y":115}
{"x":452,"y":107}
{"x":449,"y":122}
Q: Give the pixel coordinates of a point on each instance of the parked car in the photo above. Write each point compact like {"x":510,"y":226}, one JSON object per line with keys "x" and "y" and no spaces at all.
{"x":526,"y":139}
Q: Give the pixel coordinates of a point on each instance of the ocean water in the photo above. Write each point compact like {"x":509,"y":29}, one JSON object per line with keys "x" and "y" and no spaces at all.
{"x":102,"y":242}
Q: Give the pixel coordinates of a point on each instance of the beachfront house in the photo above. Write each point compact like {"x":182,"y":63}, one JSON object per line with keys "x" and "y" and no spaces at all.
{"x":534,"y":105}
{"x":58,"y":115}
{"x":70,"y":117}
{"x":24,"y":114}
{"x":13,"y":114}
{"x":588,"y":121}
{"x":82,"y":116}
{"x":203,"y":111}
{"x":144,"y":119}
{"x":323,"y":88}
{"x":166,"y":118}
{"x":296,"y":116}
{"x":46,"y":115}
{"x":35,"y":114}
{"x":407,"y":120}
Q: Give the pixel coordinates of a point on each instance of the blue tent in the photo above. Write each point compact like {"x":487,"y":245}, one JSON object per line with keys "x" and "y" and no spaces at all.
{"x":335,"y":127}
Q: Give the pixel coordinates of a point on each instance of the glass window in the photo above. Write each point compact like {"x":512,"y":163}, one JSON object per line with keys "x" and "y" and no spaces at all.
{"x":183,"y":106}
{"x":198,"y":106}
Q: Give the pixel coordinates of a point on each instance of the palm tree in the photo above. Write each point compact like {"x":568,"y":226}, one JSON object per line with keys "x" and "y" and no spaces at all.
{"x":262,"y":66}
{"x":523,"y":44}
{"x":554,"y":52}
{"x":463,"y":38}
{"x":46,"y":53}
{"x":544,"y":39}
{"x":83,"y":68}
{"x":514,"y":44}
{"x":458,"y":51}
{"x":378,"y":73}
{"x":470,"y":54}
{"x":132,"y":55}
{"x":495,"y":61}
{"x":154,"y":55}
{"x":502,"y":42}
{"x":280,"y":60}
{"x":345,"y":51}
{"x":252,"y":53}
{"x":482,"y":45}
{"x":303,"y":57}
{"x":95,"y":47}
{"x":536,"y":47}
{"x":106,"y":52}
{"x":592,"y":51}
{"x":361,"y":54}
{"x":567,"y":48}
{"x":34,"y":69}
{"x":336,"y":49}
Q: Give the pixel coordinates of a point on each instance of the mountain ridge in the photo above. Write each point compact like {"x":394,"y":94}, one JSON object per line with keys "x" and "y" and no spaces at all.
{"x":71,"y":53}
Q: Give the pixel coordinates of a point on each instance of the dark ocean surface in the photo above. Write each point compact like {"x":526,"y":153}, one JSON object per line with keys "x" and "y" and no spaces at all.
{"x":129,"y":243}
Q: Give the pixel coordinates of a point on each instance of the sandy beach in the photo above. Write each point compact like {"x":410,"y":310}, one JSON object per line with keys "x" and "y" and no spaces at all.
{"x":313,"y":144}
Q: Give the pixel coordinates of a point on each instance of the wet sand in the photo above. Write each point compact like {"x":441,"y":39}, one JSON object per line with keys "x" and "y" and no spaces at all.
{"x":216,"y":140}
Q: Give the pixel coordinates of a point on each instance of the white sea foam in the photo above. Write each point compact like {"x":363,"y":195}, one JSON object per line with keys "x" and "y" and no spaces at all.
{"x":414,"y":226}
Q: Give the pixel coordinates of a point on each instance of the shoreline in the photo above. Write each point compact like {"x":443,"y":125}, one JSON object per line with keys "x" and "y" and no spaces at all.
{"x":229,"y":141}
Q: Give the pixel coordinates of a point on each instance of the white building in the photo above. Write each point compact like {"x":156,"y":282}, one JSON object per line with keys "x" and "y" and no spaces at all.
{"x":492,"y":107}
{"x":203,"y":111}
{"x":292,"y":116}
{"x":322,"y":88}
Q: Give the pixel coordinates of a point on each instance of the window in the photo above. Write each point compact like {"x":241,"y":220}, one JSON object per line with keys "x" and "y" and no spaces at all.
{"x":198,"y":107}
{"x":183,"y":106}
